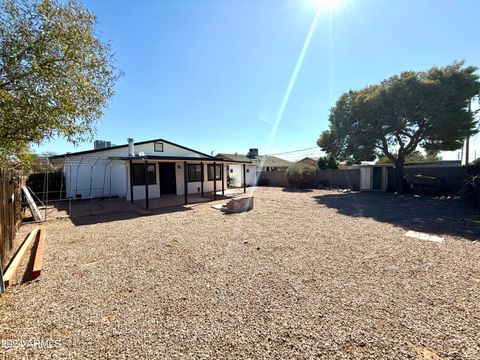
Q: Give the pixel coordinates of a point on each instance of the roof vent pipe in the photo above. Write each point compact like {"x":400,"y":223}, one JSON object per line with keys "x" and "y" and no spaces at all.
{"x":131,"y":147}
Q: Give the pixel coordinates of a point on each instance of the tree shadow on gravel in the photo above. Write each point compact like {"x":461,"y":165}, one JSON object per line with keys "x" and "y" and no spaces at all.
{"x":455,"y":217}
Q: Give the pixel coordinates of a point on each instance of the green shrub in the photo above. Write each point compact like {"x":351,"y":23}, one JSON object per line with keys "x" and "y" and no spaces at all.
{"x":300,"y":175}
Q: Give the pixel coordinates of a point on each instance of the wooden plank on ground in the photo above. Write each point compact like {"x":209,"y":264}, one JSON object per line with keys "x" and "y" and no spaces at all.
{"x":37,"y":265}
{"x":31,"y":203}
{"x":17,"y":260}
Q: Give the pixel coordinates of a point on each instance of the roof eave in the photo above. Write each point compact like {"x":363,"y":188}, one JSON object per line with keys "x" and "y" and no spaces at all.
{"x":79,"y":153}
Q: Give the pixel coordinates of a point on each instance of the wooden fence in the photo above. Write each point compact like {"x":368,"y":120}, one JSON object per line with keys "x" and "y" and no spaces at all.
{"x":10,"y":211}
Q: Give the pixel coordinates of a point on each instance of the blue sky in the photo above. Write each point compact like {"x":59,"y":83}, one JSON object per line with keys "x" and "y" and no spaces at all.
{"x":212,"y":74}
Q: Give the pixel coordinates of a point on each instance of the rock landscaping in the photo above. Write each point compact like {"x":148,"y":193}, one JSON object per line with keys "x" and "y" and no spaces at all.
{"x":317,"y":274}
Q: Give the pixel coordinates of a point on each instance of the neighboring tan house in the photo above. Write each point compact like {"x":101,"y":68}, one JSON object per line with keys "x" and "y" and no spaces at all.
{"x":271,"y":163}
{"x":142,"y":170}
{"x":309,"y":161}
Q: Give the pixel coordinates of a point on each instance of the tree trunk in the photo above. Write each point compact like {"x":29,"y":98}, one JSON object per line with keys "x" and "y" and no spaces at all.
{"x":399,"y":177}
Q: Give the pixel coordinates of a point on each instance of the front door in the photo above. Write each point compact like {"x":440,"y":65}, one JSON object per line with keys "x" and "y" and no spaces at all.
{"x":168,"y":183}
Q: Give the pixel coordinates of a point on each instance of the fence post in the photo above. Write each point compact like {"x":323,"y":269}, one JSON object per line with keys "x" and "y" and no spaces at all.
{"x":10,"y":213}
{"x":2,"y":284}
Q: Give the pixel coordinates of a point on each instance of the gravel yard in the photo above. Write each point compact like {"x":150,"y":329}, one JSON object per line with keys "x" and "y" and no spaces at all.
{"x":315,"y":274}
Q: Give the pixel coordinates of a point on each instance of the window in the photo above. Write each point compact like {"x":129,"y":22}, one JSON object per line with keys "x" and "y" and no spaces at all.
{"x":248,"y":170}
{"x":218,"y":172}
{"x":231,"y":170}
{"x":139,"y":174}
{"x":194,"y":172}
{"x":158,"y":146}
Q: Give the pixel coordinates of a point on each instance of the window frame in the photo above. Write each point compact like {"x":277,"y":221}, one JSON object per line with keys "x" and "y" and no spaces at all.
{"x":195,"y":172}
{"x":155,"y":146}
{"x":218,"y":173}
{"x":138,"y":182}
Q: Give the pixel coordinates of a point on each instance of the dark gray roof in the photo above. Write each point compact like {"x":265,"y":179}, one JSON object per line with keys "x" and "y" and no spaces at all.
{"x":234,"y":157}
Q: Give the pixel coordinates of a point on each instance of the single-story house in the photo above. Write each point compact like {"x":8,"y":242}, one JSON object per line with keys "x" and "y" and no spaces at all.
{"x":143,"y":170}
{"x":235,"y":170}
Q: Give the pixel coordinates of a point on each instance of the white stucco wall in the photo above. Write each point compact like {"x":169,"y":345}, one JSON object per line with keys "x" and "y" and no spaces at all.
{"x":94,"y":175}
{"x":90,"y":177}
{"x":236,"y":175}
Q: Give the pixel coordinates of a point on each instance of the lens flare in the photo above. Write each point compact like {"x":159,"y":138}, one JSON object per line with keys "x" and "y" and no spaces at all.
{"x":291,"y":83}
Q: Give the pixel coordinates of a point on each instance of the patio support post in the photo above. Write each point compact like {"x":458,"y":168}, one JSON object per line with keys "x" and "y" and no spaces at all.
{"x":214,"y":180}
{"x":145,"y":170}
{"x":202,"y":175}
{"x":244,"y":179}
{"x":223,"y":180}
{"x":130,"y":168}
{"x":185,"y":184}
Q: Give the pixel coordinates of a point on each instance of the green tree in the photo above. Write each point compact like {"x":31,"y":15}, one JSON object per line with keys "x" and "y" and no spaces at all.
{"x":332,"y":163}
{"x":322,"y":163}
{"x":56,"y":75}
{"x":327,"y":162}
{"x":426,"y":109}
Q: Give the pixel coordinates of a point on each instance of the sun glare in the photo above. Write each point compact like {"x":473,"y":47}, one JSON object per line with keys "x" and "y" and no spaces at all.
{"x":329,"y":4}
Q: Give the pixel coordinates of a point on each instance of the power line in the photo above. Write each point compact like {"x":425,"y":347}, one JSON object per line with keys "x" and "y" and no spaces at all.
{"x":294,"y":151}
